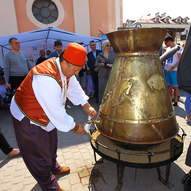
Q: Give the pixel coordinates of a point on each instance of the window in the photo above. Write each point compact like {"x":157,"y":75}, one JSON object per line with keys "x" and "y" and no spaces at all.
{"x":185,"y":21}
{"x":167,"y":20}
{"x":45,"y":11}
{"x":178,"y":21}
{"x":157,"y":20}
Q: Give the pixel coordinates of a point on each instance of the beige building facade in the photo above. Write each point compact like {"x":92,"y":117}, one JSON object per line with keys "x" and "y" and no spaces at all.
{"x":78,"y":16}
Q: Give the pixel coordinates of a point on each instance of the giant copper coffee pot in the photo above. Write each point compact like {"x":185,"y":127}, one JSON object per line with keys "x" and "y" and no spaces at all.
{"x":136,"y":107}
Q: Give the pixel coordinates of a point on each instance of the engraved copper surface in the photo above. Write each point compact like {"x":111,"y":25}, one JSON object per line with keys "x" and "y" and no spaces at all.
{"x":136,"y":107}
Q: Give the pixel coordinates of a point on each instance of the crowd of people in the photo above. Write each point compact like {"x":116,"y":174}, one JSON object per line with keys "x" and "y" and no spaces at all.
{"x":96,"y":69}
{"x":45,"y":88}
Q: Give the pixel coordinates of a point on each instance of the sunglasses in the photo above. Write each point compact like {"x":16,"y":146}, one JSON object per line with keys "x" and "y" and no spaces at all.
{"x":108,"y":45}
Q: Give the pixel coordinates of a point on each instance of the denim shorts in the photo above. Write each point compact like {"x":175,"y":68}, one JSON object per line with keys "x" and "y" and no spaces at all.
{"x":171,"y":78}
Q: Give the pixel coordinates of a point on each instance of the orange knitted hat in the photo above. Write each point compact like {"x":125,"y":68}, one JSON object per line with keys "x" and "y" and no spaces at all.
{"x":75,"y":54}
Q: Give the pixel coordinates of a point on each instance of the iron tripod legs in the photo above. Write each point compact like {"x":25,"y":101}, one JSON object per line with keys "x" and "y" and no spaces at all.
{"x":120,"y":173}
{"x":165,"y":181}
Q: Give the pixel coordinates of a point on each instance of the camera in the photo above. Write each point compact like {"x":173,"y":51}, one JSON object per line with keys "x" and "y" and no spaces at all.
{"x":8,"y":95}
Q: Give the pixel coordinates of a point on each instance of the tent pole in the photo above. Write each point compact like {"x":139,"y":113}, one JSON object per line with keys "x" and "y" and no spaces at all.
{"x":48,"y":34}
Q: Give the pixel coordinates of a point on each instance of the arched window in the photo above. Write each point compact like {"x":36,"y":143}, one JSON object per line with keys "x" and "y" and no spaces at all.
{"x":45,"y":11}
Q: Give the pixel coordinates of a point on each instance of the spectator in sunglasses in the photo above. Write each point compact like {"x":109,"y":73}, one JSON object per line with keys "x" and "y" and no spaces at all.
{"x":104,"y":62}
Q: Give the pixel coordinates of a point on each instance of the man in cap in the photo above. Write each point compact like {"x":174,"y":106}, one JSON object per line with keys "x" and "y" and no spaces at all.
{"x":58,"y":49}
{"x":38,"y":110}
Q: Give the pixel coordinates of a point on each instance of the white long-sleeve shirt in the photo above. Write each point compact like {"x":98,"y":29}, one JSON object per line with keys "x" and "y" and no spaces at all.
{"x":51,"y":98}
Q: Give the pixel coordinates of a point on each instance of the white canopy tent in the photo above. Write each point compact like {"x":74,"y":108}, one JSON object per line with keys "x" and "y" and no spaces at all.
{"x":33,"y":41}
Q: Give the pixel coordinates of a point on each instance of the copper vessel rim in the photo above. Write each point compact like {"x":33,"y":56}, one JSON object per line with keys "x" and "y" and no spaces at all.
{"x":141,"y":53}
{"x":136,"y":29}
{"x":138,"y":121}
{"x":136,"y":142}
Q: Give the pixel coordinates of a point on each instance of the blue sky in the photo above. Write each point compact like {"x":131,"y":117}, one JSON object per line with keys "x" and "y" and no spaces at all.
{"x":134,"y":9}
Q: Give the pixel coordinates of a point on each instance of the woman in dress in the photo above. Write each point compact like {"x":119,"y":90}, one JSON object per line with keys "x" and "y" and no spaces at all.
{"x":104,"y":62}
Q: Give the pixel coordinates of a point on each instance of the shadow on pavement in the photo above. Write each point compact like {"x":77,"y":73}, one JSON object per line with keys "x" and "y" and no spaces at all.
{"x":4,"y":162}
{"x":134,"y":179}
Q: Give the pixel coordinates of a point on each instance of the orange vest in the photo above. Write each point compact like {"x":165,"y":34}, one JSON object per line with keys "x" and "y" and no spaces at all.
{"x":25,"y":97}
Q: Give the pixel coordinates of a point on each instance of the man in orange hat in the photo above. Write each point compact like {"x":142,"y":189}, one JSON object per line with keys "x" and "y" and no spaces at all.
{"x":38,"y":111}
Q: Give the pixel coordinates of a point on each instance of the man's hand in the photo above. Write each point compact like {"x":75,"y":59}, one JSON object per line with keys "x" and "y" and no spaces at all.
{"x":96,"y":69}
{"x":170,"y":69}
{"x":79,"y":129}
{"x":90,"y":110}
{"x":7,"y":85}
{"x":109,"y":65}
{"x":102,"y":64}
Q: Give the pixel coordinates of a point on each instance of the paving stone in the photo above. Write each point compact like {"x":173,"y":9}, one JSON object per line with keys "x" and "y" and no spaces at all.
{"x":76,"y":155}
{"x":85,"y":180}
{"x":74,"y":178}
{"x":64,"y":183}
{"x":79,"y":163}
{"x":77,"y":187}
{"x":9,"y":171}
{"x":83,"y":173}
{"x":19,"y":173}
{"x":17,"y":187}
{"x":83,"y":150}
{"x":27,"y":174}
{"x":68,"y":155}
{"x":5,"y":186}
{"x":69,"y":161}
{"x":20,"y":165}
{"x":8,"y":178}
{"x":29,"y":181}
{"x":86,"y":156}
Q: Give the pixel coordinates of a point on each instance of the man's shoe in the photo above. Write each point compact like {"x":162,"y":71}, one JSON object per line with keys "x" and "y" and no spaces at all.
{"x":64,"y":170}
{"x":13,"y":153}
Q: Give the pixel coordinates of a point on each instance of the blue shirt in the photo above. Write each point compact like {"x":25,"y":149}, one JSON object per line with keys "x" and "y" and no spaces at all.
{"x":53,"y":54}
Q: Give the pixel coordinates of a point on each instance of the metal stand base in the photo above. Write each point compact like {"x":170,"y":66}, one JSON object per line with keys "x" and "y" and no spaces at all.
{"x":153,"y":157}
{"x":120,"y":173}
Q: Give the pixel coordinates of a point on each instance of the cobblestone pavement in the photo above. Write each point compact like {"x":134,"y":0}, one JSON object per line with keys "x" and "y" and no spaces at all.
{"x":75,"y":151}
